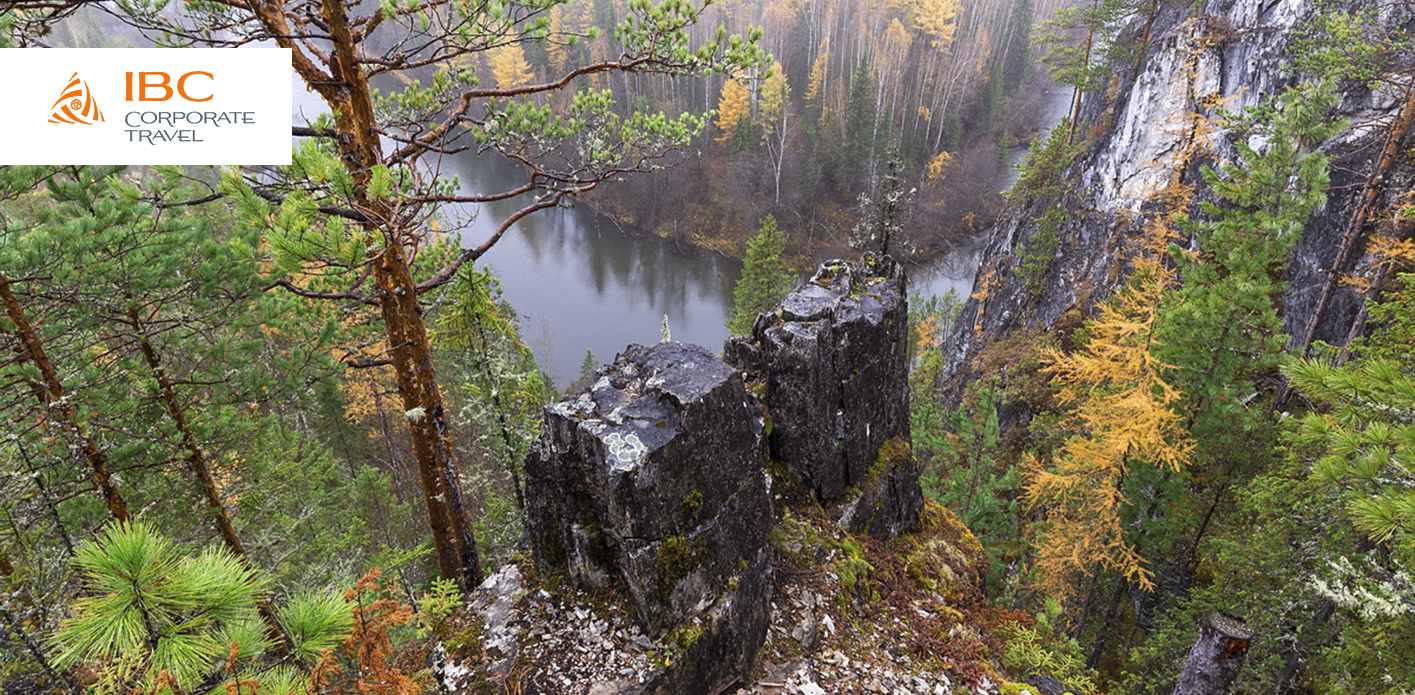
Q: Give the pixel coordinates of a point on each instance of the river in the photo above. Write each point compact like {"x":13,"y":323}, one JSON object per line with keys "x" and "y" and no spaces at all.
{"x":580,"y":283}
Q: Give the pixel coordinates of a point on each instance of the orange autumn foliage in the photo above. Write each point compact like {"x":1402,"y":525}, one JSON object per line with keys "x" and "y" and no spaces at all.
{"x":369,"y":648}
{"x":1121,"y":410}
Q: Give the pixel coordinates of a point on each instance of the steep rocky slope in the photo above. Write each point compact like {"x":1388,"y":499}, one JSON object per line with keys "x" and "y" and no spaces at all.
{"x":1156,"y":125}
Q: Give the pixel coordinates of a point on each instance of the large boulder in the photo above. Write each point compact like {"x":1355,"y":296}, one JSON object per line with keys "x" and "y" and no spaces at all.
{"x":652,"y":481}
{"x":832,"y":359}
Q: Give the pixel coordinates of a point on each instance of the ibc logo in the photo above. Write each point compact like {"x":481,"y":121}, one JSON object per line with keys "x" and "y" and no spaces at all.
{"x":157,"y":80}
{"x":142,"y":106}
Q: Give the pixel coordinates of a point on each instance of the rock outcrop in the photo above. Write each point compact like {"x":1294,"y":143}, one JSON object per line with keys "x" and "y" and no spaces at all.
{"x":1153,"y":125}
{"x":651,"y":522}
{"x":832,"y":361}
{"x":652,"y":480}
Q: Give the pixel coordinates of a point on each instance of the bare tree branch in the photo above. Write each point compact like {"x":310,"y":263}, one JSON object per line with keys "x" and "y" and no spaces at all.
{"x":445,"y":275}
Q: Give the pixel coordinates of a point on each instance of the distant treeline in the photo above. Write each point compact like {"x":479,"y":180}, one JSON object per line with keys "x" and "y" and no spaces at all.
{"x":943,"y":87}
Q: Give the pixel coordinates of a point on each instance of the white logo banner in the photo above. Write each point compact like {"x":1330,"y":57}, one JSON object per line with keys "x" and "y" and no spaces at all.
{"x":146,"y":106}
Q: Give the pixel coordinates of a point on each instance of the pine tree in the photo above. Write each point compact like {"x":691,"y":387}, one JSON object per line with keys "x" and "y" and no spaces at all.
{"x":499,"y":390}
{"x":1368,"y":441}
{"x":1018,"y":54}
{"x":859,"y":140}
{"x":1080,"y":42}
{"x":1221,"y":329}
{"x":764,"y":281}
{"x":360,"y":187}
{"x":884,"y":217}
{"x":970,"y":478}
{"x":158,"y":619}
{"x":170,"y":347}
{"x":587,"y":367}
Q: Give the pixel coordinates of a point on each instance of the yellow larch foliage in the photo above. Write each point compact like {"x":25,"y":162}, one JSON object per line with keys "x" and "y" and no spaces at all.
{"x":1122,"y":411}
{"x":509,"y":67}
{"x":777,"y":16}
{"x":776,"y":94}
{"x":370,"y":393}
{"x":556,"y":50}
{"x":733,"y":106}
{"x":938,"y":19}
{"x":897,"y":41}
{"x":1393,"y":249}
{"x":929,"y":329}
{"x":938,"y":165}
{"x":816,"y":82}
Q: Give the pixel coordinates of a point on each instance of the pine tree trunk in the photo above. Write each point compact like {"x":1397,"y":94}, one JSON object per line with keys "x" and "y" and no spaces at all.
{"x":54,"y":399}
{"x":1085,"y":76}
{"x":1366,"y":203}
{"x":1216,"y":658}
{"x":408,"y":343}
{"x":427,"y":421}
{"x":196,"y":460}
{"x":196,"y":457}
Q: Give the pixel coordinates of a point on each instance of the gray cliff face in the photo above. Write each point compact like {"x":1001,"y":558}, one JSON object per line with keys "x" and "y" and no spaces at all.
{"x":1229,"y":54}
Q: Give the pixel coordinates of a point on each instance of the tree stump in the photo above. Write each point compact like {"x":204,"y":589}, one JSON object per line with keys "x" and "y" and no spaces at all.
{"x":1216,"y":658}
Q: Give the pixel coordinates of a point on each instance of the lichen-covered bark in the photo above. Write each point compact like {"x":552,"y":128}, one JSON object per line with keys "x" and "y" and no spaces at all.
{"x":408,"y":344}
{"x":196,"y":457}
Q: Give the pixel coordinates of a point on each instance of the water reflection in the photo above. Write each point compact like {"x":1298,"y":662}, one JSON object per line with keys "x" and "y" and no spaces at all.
{"x":581,"y":284}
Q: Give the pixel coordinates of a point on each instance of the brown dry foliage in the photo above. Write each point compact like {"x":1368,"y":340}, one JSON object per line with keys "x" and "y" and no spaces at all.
{"x":369,"y":648}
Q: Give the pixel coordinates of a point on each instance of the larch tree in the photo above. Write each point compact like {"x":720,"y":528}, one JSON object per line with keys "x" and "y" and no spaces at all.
{"x":1124,"y":413}
{"x":352,"y":213}
{"x":813,"y":102}
{"x":734,"y":114}
{"x":509,"y":67}
{"x":938,"y":19}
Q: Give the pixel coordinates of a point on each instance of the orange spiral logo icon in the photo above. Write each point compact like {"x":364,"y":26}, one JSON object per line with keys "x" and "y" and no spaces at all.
{"x":75,"y":104}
